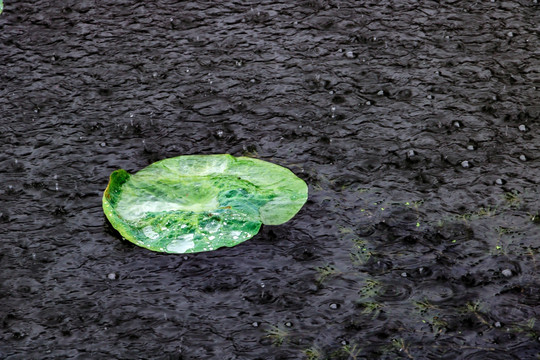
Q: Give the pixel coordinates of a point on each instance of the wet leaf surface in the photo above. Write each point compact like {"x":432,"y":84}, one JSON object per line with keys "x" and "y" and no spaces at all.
{"x":200,"y":203}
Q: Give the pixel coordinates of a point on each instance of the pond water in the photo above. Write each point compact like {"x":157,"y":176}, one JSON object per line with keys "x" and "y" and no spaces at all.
{"x":415,"y":125}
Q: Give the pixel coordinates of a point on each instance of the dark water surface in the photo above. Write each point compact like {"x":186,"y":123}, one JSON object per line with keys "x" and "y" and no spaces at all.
{"x":415,"y":124}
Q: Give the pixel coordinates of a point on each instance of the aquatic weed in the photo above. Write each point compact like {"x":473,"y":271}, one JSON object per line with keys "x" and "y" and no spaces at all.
{"x":313,"y":353}
{"x":277,"y":335}
{"x":402,"y":347}
{"x":325,"y":272}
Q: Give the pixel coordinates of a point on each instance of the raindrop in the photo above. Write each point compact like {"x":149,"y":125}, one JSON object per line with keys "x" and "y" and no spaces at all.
{"x":522,"y":157}
{"x":349,"y":54}
{"x":219,"y":133}
{"x":411,"y":153}
{"x":430,"y":97}
{"x":380,"y":93}
{"x":522,"y":127}
{"x":470,"y":147}
{"x":333,"y":306}
{"x":56,"y":186}
{"x":499,"y":182}
{"x":510,"y":34}
{"x":111,"y":276}
{"x":507,"y":272}
{"x":288,"y":324}
{"x":403,"y":274}
{"x":255,"y":324}
{"x":102,"y":144}
{"x":368,"y":103}
{"x":465,"y":164}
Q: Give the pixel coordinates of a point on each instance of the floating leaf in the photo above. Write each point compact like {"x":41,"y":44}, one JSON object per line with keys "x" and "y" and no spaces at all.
{"x":199,"y":203}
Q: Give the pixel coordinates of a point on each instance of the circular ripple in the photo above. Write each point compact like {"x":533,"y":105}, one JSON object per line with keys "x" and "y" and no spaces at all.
{"x":394,"y":291}
{"x":491,"y":355}
{"x":436,"y":293}
{"x":510,"y":313}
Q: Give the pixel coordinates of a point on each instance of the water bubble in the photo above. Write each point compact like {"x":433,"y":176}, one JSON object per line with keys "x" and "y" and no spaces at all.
{"x":499,"y":182}
{"x":430,"y":97}
{"x":522,"y":127}
{"x":368,"y":103}
{"x":262,"y":284}
{"x":334,"y":306}
{"x":349,"y":54}
{"x":522,"y":157}
{"x":510,"y":34}
{"x":219,"y":133}
{"x":255,"y":324}
{"x":380,"y":93}
{"x":465,"y":164}
{"x":470,"y":147}
{"x":411,"y":153}
{"x":403,"y":274}
{"x":102,"y":144}
{"x":111,"y":276}
{"x":507,"y":272}
{"x":288,"y":324}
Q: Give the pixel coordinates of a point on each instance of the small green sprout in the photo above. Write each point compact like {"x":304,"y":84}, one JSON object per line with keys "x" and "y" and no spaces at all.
{"x":313,"y":353}
{"x":326,"y":271}
{"x":277,"y":334}
{"x":372,"y":308}
{"x":352,"y":350}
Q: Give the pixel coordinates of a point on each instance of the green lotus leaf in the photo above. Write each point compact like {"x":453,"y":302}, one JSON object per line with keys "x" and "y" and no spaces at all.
{"x":197,"y":203}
